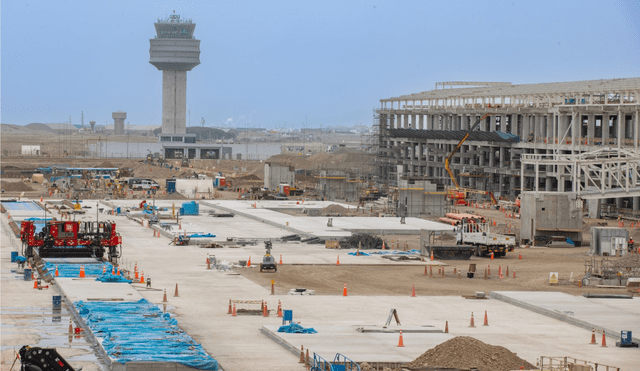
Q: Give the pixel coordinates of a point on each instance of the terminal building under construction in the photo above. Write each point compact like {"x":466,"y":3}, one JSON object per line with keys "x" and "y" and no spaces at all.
{"x":532,"y":123}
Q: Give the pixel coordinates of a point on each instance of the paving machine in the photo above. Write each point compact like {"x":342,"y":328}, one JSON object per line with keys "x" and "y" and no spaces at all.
{"x":268,"y":261}
{"x":42,"y":359}
{"x":71,"y":239}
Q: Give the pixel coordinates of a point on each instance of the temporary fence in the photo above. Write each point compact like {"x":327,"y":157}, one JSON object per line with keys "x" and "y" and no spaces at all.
{"x":141,"y":332}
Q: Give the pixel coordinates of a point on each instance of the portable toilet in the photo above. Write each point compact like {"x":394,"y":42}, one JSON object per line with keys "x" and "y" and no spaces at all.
{"x":171,"y":185}
{"x":220,"y":181}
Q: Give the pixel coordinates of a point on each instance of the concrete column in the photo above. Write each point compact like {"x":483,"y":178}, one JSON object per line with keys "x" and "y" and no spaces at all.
{"x":526,"y":121}
{"x":392,"y":121}
{"x":501,"y":157}
{"x":591,"y":127}
{"x":605,"y":128}
{"x":548,"y":184}
{"x":619,"y":203}
{"x":492,"y":124}
{"x":421,"y":122}
{"x":636,"y":128}
{"x":492,"y":157}
{"x":465,"y":122}
{"x":514,"y":124}
{"x":622,"y":126}
{"x":481,"y":154}
{"x":636,"y":203}
{"x":550,"y":123}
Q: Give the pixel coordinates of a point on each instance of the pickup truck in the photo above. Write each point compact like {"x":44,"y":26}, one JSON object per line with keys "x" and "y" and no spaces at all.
{"x":485,"y":243}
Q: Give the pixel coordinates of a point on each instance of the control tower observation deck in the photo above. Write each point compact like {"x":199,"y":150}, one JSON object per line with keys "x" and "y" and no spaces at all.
{"x":174,"y":51}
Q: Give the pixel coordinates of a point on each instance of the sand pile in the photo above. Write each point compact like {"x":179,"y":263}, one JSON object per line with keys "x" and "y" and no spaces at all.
{"x":627,"y":261}
{"x":15,"y":187}
{"x":467,"y":352}
{"x":334,"y":209}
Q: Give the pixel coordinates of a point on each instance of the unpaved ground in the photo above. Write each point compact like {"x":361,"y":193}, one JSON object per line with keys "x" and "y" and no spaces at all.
{"x":532,"y":274}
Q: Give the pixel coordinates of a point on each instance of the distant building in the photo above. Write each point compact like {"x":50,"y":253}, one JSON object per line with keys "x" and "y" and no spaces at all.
{"x":31,"y":150}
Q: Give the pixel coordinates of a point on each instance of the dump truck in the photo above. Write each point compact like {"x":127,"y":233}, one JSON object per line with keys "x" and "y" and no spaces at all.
{"x":478,"y":234}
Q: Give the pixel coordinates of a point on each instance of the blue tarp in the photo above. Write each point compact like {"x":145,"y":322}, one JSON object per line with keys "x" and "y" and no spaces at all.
{"x":197,"y":235}
{"x":395,"y":252}
{"x":295,"y":328}
{"x":361,"y":253}
{"x":73,"y":270}
{"x":21,"y":206}
{"x":108,"y":277}
{"x":140,"y":331}
{"x":21,"y":259}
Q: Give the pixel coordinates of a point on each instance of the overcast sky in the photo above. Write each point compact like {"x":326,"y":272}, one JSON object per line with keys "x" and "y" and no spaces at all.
{"x":276,"y":63}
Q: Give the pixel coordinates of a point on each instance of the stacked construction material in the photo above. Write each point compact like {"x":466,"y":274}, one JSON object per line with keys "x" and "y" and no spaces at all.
{"x":141,"y":332}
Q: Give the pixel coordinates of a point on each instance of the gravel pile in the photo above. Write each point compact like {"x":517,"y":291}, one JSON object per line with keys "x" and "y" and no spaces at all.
{"x":627,"y":261}
{"x":15,"y":186}
{"x":467,"y":352}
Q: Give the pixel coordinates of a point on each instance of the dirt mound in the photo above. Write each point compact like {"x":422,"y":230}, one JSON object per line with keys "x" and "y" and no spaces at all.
{"x":467,"y":352}
{"x":627,"y":261}
{"x":15,"y":186}
{"x":334,"y":209}
{"x":106,"y":164}
{"x":249,"y":177}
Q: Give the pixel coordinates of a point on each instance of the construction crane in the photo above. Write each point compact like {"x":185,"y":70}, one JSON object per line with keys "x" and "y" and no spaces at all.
{"x":456,"y":193}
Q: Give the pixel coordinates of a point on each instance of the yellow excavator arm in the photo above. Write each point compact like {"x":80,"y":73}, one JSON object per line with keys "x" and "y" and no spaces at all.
{"x":466,"y":136}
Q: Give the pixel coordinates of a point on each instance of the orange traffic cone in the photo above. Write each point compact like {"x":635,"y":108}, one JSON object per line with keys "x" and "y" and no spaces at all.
{"x":500,"y":271}
{"x":344,"y":291}
{"x":413,"y":291}
{"x":208,"y":263}
{"x":35,"y":284}
{"x":604,"y":340}
{"x":338,"y":261}
{"x":233,"y":313}
{"x":301,"y":354}
{"x":507,"y":273}
{"x":229,"y":312}
{"x":142,"y":277}
{"x":56,"y":271}
{"x":431,"y":255}
{"x":104,"y":269}
{"x":279,"y":309}
{"x":164,"y":298}
{"x":70,"y":327}
{"x":280,"y":259}
{"x":472,"y":322}
{"x":491,"y":256}
{"x":425,"y":270}
{"x":400,"y":341}
{"x":384,"y":247}
{"x":175,"y":295}
{"x":118,"y":273}
{"x":135,"y":270}
{"x":514,"y":273}
{"x":265,"y":311}
{"x":446,"y":327}
{"x":486,"y":319}
{"x":249,"y":262}
{"x":520,"y":256}
{"x":113,"y":270}
{"x":593,"y":337}
{"x":82,"y":271}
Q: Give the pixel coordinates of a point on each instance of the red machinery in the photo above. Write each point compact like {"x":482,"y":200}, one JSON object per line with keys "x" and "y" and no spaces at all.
{"x":72,"y":239}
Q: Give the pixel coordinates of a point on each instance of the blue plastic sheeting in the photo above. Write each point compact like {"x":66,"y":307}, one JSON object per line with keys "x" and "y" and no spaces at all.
{"x":21,"y":259}
{"x":395,"y":252}
{"x":108,"y":277}
{"x":198,"y":235}
{"x":506,"y":135}
{"x":73,"y":270}
{"x":295,"y":328}
{"x":21,"y":206}
{"x":570,"y":241}
{"x":139,"y":332}
{"x":361,"y":254}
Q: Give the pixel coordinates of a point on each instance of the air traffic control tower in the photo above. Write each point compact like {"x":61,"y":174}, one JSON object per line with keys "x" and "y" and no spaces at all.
{"x":174,"y":51}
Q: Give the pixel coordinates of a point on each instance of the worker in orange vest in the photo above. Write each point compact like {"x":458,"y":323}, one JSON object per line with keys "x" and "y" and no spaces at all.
{"x":630,"y":247}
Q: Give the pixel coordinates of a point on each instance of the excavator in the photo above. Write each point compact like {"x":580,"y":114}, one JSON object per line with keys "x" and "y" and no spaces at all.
{"x":458,"y":194}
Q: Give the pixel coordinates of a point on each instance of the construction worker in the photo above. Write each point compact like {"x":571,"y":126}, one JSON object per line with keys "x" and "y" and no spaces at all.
{"x":630,"y":247}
